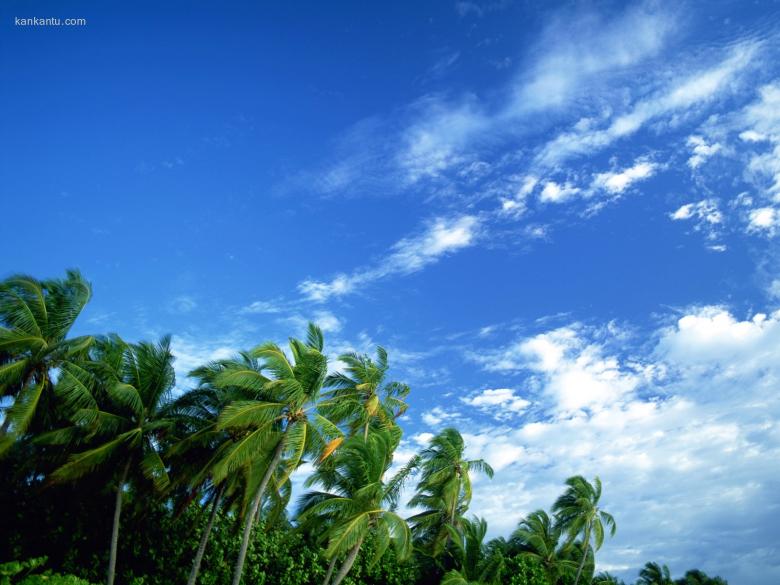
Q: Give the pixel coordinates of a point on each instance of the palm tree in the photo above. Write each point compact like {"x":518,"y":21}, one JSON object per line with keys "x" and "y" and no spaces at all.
{"x":605,"y":578}
{"x":444,"y":490}
{"x":578,"y":512}
{"x":655,"y":574}
{"x":357,"y":502}
{"x":360,"y":394}
{"x":198,"y":452}
{"x":697,"y":577}
{"x":538,"y":538}
{"x":126,"y":417}
{"x":281,"y":425}
{"x":477,"y":565}
{"x":35,"y":319}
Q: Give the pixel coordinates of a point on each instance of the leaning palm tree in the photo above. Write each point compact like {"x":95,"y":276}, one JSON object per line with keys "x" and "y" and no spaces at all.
{"x":202,"y":443}
{"x":360,"y":394}
{"x":605,"y":578}
{"x":281,"y":425}
{"x":476,"y":564}
{"x":578,"y":512}
{"x":655,"y":574}
{"x":357,"y":502}
{"x":444,"y":490}
{"x":35,"y":319}
{"x":538,"y":538}
{"x":125,"y":418}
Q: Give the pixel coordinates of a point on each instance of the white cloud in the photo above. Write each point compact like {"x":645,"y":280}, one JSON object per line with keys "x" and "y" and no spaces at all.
{"x":706,"y":216}
{"x":572,"y":373}
{"x":433,"y":144}
{"x":681,"y":95}
{"x":261,"y":307}
{"x":712,"y":334}
{"x":554,"y":193}
{"x":701,"y":151}
{"x":762,"y":119}
{"x":437,"y":416}
{"x":686,"y":444}
{"x":191,"y":353}
{"x":443,"y":236}
{"x":617,"y":182}
{"x":501,"y":403}
{"x":327,"y":321}
{"x":706,"y":210}
{"x":764,"y":220}
{"x":580,"y":49}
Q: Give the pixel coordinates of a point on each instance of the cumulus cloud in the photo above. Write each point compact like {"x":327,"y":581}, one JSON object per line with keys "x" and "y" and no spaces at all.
{"x":574,"y":374}
{"x":688,"y":442}
{"x":442,"y":236}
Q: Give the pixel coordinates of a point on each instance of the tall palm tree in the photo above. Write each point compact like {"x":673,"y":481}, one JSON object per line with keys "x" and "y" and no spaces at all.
{"x":282,"y":424}
{"x":360,"y":394}
{"x":196,"y":454}
{"x":35,"y":319}
{"x":357,"y":501}
{"x":476,"y":564}
{"x":655,"y":574}
{"x":538,"y":538}
{"x":126,"y":418}
{"x":444,"y":490}
{"x":578,"y":512}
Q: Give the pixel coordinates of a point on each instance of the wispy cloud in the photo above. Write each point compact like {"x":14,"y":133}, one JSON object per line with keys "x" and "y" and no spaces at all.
{"x":680,"y":95}
{"x":441,"y":237}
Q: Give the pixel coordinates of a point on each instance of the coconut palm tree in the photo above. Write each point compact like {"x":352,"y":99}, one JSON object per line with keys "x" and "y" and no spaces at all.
{"x":476,"y":565}
{"x":126,"y":419}
{"x":538,"y":537}
{"x":655,"y":574}
{"x":357,"y":501}
{"x":360,"y":394}
{"x":35,"y":319}
{"x":605,"y":578}
{"x":282,"y":424}
{"x":578,"y":512}
{"x":444,"y":490}
{"x":203,"y":443}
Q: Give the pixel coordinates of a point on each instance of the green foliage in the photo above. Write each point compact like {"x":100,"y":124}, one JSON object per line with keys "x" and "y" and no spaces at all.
{"x":18,"y":569}
{"x":519,"y":570}
{"x":53,"y":579}
{"x":21,"y":573}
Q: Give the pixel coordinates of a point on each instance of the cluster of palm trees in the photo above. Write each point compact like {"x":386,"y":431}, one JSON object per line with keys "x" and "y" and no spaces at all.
{"x":102,"y":404}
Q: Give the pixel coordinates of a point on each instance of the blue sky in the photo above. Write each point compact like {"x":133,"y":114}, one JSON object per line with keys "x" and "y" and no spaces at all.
{"x":560,"y":219}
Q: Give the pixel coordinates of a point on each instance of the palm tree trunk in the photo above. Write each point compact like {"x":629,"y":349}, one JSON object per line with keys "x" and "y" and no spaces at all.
{"x":585,"y":545}
{"x":348,"y":562}
{"x":331,"y":566}
{"x":115,"y":529}
{"x":250,"y":517}
{"x":205,"y":537}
